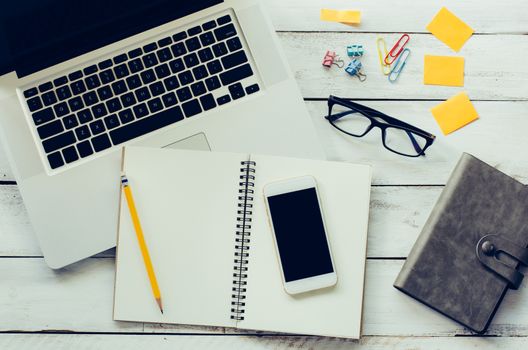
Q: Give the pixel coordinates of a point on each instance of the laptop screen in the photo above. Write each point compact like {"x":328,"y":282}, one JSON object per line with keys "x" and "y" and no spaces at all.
{"x":35,"y":34}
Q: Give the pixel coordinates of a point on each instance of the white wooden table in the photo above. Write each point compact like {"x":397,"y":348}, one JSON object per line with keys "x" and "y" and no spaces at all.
{"x":72,"y":308}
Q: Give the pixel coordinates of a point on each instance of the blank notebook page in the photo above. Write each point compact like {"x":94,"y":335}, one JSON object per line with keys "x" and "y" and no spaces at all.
{"x":187,"y":204}
{"x":344,"y":191}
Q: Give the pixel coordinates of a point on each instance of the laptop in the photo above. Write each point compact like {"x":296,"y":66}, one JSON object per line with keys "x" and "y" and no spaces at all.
{"x":80,"y":80}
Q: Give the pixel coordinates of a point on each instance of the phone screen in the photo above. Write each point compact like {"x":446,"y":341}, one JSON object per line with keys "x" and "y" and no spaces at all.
{"x":300,"y":234}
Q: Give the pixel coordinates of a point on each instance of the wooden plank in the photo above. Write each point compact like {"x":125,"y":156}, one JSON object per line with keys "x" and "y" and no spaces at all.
{"x":484,"y":16}
{"x":171,"y":342}
{"x":79,"y":299}
{"x":396,"y":218}
{"x":486,"y":77}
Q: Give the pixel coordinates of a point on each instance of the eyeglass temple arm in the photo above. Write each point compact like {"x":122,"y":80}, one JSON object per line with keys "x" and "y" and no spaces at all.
{"x":334,"y":117}
{"x":416,"y":146}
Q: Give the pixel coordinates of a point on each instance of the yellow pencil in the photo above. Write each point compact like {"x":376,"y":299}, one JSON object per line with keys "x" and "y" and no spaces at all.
{"x":141,"y":241}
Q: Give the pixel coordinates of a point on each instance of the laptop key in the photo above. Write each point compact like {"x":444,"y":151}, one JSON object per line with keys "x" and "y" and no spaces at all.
{"x":75,"y":104}
{"x":148,"y":76}
{"x":234,"y":59}
{"x":191,"y":60}
{"x":179,"y":36}
{"x":205,"y":55}
{"x":143,"y":126}
{"x":85,"y":116}
{"x":198,"y":89}
{"x":178,"y":49}
{"x":85,"y":149}
{"x":34,"y":104}
{"x":75,"y":75}
{"x":92,"y":82}
{"x":133,"y":82}
{"x":171,"y":83}
{"x":236,"y":74}
{"x":49,"y":98}
{"x":99,"y":110}
{"x":200,"y":72}
{"x":194,"y":30}
{"x":191,"y":108}
{"x":184,"y":94}
{"x":252,"y":89}
{"x":207,"y":39}
{"x":224,"y":19}
{"x":219,"y":49}
{"x":102,"y":142}
{"x":164,"y":42}
{"x":70,"y":154}
{"x":169,"y":99}
{"x":140,"y":110}
{"x":70,"y":122}
{"x":176,"y":65}
{"x":82,"y":133}
{"x":209,"y":25}
{"x":135,"y":53}
{"x":222,"y":100}
{"x":30,"y":92}
{"x":192,"y":44}
{"x":105,"y":64}
{"x":55,"y":160}
{"x":237,"y":91}
{"x":162,"y":71}
{"x":111,"y":122}
{"x":150,"y":60}
{"x":128,"y":99}
{"x":113,"y":105}
{"x":107,"y":76}
{"x":234,"y":44}
{"x":60,"y":81}
{"x":97,"y":127}
{"x":78,"y":87}
{"x":45,"y":87}
{"x":155,"y":105}
{"x":135,"y":65}
{"x":185,"y":78}
{"x":208,"y":102}
{"x":61,"y":109}
{"x":126,"y":116}
{"x":121,"y":71}
{"x":150,"y":47}
{"x":64,"y":93}
{"x":225,"y":32}
{"x":50,"y":129}
{"x":104,"y":93}
{"x":214,"y":67}
{"x":90,"y":70}
{"x":157,"y":88}
{"x":142,"y":94}
{"x":58,"y":142}
{"x":43,"y":116}
{"x":164,"y":54}
{"x":212,"y":83}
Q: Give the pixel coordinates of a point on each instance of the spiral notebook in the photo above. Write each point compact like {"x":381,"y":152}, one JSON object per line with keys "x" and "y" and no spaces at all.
{"x":203,"y":214}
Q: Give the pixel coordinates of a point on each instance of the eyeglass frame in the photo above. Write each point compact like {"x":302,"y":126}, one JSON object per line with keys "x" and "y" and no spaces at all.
{"x":371,"y":114}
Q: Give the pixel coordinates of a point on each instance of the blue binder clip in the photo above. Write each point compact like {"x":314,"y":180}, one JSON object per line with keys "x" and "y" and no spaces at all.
{"x":354,"y":69}
{"x":355,"y":50}
{"x":399,"y":65}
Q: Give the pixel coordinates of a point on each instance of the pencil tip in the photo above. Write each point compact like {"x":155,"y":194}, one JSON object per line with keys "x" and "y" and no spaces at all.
{"x":158,"y":300}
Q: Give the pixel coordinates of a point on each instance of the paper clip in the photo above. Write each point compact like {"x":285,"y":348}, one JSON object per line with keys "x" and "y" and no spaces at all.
{"x":354,"y":69}
{"x":330,"y":58}
{"x":397,"y":47}
{"x":382,"y":52}
{"x":398,"y":65}
{"x":355,"y":50}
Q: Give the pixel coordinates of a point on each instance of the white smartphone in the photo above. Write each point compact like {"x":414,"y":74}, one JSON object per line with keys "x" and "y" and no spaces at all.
{"x":299,"y":232}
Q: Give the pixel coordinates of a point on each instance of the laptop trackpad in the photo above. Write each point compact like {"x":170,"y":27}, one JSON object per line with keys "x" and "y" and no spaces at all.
{"x":196,"y":142}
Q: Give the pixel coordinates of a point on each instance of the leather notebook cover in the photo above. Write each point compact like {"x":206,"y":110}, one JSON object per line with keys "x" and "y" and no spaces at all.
{"x":443,"y":269}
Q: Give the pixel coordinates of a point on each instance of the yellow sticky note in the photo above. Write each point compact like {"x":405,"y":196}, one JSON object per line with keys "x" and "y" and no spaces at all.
{"x":450,"y":29}
{"x":444,"y":70}
{"x":454,"y":113}
{"x":342,"y":16}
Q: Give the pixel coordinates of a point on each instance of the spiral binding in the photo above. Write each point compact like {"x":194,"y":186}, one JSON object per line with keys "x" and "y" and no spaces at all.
{"x":242,"y":239}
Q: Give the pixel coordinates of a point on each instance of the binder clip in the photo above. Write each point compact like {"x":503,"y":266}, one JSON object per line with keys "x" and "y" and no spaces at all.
{"x":330,"y":58}
{"x":355,"y":50}
{"x":354,"y":69}
{"x":382,"y":53}
{"x":397,"y":49}
{"x":398,"y":65}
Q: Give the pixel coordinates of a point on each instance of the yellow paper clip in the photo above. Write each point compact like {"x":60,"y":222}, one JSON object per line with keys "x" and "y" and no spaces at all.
{"x":398,"y":65}
{"x":382,"y":53}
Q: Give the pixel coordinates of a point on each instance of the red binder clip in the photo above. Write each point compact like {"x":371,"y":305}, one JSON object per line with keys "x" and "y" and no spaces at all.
{"x":397,"y":49}
{"x":331,"y":58}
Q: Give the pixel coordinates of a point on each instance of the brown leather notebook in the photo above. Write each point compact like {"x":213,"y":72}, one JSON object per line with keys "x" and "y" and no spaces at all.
{"x":467,"y":254}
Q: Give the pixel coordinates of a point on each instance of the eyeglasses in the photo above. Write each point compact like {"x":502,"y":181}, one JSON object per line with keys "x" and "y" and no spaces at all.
{"x":356,"y":120}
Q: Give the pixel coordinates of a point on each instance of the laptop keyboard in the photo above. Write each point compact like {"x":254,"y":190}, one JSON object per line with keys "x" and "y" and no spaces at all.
{"x":138,"y":92}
